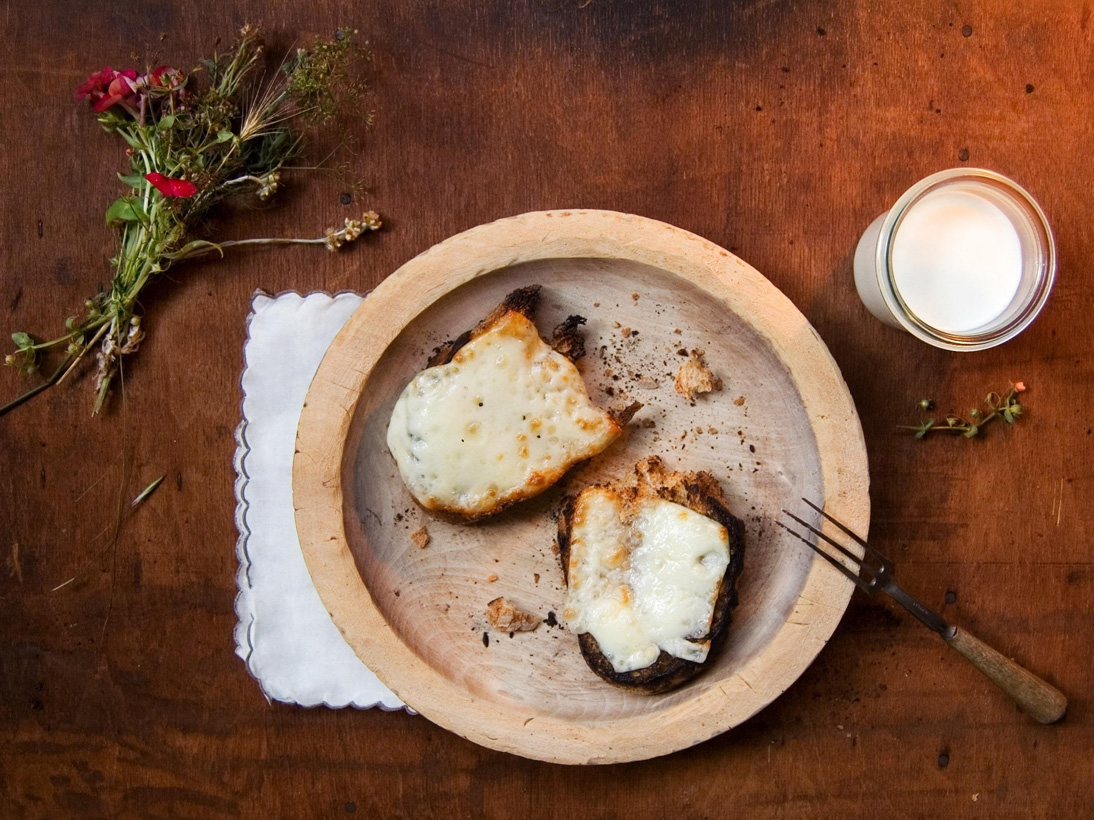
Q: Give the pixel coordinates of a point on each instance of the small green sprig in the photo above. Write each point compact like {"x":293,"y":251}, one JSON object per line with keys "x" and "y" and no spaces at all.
{"x":1006,"y":407}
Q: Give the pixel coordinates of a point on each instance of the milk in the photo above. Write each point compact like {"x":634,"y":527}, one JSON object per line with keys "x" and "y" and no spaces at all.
{"x":964,"y":260}
{"x":956,"y":260}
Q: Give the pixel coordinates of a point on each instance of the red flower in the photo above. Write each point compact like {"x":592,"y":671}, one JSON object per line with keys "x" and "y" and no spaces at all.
{"x":1019,"y":387}
{"x":172,"y":187}
{"x":96,"y":83}
{"x":108,"y":87}
{"x":164,"y":76}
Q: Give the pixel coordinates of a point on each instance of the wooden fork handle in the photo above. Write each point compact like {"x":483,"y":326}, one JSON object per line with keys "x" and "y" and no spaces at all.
{"x":1042,"y":700}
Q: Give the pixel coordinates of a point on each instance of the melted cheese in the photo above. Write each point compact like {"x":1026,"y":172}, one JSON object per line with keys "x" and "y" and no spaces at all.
{"x":643,"y":584}
{"x":502,"y":421}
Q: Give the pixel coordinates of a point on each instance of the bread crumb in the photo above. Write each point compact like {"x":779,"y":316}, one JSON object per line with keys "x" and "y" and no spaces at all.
{"x":507,"y":618}
{"x":420,"y":537}
{"x":634,"y":296}
{"x":535,"y":577}
{"x":647,"y":383}
{"x":649,"y":424}
{"x":712,"y":430}
{"x":492,"y":577}
{"x":694,"y":377}
{"x":677,"y":331}
{"x":739,"y":400}
{"x":625,"y":332}
{"x":976,"y":797}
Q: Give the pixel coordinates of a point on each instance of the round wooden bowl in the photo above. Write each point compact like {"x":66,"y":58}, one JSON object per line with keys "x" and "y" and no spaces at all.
{"x":783,"y":426}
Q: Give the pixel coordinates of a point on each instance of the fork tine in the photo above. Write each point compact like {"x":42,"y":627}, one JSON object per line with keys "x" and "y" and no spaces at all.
{"x":861,"y":584}
{"x":843,"y":550}
{"x":862,"y":543}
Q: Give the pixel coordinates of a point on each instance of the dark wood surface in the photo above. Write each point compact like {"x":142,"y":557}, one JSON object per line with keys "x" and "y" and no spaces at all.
{"x":776,"y":129}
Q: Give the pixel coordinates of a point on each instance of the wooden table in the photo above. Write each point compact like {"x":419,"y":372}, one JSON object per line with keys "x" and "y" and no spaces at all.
{"x":777,"y":130}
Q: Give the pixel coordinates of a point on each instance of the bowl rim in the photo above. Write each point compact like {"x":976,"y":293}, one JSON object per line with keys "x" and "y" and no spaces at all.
{"x":324,"y":432}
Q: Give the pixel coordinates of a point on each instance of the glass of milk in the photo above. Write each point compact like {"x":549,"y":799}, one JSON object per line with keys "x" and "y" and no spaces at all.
{"x":964,"y":260}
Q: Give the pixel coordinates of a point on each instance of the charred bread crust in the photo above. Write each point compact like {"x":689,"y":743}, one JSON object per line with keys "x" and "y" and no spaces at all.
{"x":566,"y":339}
{"x":522,"y":301}
{"x":698,"y":492}
{"x":625,"y":414}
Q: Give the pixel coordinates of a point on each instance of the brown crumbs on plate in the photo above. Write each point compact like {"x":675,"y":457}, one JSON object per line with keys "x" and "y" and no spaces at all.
{"x":694,"y":377}
{"x":739,"y":400}
{"x":493,"y":577}
{"x":420,"y":537}
{"x":507,"y":618}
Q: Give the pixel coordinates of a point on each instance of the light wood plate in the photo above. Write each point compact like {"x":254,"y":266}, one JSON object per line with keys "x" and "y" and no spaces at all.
{"x":783,"y":426}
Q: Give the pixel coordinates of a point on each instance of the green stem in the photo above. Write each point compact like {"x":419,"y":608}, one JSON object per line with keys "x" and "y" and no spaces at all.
{"x":82,"y":353}
{"x":954,"y":428}
{"x":94,"y":323}
{"x":30,"y":394}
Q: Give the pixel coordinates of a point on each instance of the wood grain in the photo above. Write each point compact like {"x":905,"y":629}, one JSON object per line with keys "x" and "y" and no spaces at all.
{"x":121,"y":696}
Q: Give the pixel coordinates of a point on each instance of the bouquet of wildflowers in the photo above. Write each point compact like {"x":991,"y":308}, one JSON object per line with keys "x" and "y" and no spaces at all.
{"x":193,"y":141}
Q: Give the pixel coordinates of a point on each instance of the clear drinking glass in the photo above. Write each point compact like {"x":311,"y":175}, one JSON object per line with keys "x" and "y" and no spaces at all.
{"x":879,"y":286}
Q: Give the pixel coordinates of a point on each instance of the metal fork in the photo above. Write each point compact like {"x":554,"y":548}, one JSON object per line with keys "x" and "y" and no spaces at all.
{"x":1041,"y":700}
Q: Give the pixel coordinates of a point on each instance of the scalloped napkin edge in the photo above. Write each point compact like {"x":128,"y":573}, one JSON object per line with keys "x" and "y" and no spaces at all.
{"x":284,"y":634}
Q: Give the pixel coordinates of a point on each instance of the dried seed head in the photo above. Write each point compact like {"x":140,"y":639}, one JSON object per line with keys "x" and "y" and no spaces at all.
{"x":333,"y":239}
{"x":269,"y":185}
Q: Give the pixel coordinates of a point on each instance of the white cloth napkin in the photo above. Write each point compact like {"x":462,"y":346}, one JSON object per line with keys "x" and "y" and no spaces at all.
{"x":284,"y":634}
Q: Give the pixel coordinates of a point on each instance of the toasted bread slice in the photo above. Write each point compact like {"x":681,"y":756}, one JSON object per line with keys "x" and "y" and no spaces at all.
{"x":499,"y":415}
{"x":651,"y":567}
